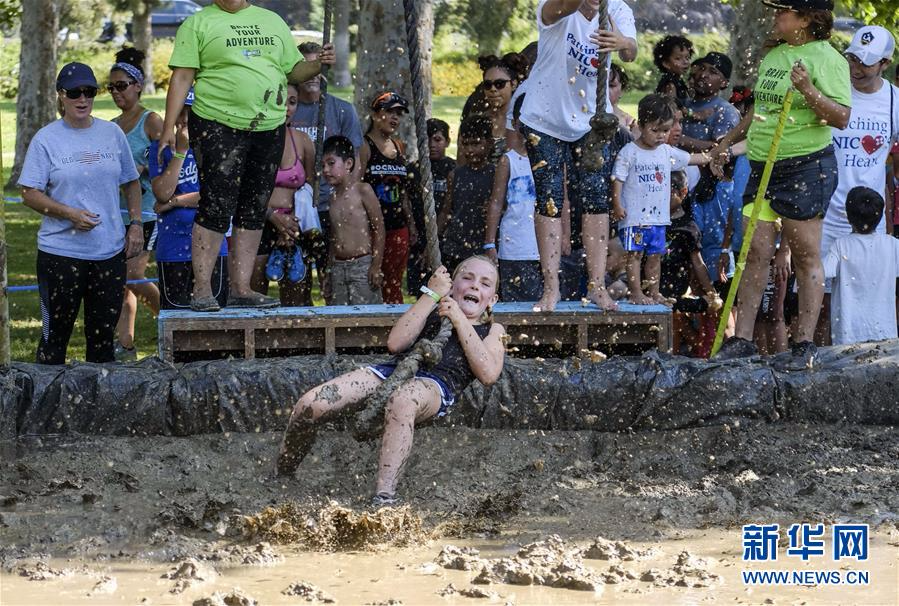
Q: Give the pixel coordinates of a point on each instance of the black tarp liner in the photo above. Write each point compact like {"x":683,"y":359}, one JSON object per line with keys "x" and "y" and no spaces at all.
{"x":855,"y":384}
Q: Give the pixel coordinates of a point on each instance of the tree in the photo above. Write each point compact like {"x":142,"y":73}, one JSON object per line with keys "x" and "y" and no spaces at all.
{"x":382,"y":58}
{"x":341,"y":73}
{"x":142,"y":34}
{"x":36,"y":102}
{"x":752,"y":24}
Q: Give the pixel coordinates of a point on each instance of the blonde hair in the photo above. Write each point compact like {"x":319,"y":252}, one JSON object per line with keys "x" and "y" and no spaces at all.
{"x":487,"y":317}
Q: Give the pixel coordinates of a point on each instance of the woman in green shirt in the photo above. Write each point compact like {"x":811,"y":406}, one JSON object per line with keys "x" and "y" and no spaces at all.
{"x":804,"y":175}
{"x":241,"y":57}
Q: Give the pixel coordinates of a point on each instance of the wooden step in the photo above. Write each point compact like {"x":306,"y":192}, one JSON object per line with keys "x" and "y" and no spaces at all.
{"x":250,"y":333}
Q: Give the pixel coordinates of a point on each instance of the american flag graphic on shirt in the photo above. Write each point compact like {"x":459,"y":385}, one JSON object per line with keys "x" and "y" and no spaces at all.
{"x":88,"y":157}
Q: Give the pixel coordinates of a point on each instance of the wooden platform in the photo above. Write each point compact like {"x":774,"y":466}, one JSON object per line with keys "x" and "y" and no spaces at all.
{"x":251,"y":333}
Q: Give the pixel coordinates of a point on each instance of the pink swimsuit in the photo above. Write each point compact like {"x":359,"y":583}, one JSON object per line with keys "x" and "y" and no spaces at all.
{"x":293,"y":177}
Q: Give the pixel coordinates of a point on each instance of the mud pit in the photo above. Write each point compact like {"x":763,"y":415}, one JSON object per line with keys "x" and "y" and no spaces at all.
{"x":177,"y":520}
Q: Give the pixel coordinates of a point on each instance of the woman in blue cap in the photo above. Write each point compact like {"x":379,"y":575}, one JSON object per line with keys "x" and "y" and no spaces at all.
{"x":73,"y":171}
{"x":805,"y":172}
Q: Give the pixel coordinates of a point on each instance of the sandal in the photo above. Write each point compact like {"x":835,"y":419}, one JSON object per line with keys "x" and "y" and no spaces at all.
{"x":204,"y":304}
{"x":256,"y":300}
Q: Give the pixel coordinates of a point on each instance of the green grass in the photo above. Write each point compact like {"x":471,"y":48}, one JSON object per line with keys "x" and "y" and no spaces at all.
{"x":22,"y":225}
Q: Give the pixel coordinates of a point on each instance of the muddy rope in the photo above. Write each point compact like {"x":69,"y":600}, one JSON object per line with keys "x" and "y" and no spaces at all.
{"x":370,"y":420}
{"x":603,"y":125}
{"x":320,"y":121}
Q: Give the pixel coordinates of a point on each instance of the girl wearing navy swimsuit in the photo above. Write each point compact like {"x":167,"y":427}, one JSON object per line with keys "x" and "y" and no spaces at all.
{"x":474,"y":351}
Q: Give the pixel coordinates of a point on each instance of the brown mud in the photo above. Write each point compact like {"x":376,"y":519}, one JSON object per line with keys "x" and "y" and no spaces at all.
{"x":639,"y":517}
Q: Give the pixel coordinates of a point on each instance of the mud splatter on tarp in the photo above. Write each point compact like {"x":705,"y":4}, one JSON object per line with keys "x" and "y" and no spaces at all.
{"x":337,"y":528}
{"x":235,"y":597}
{"x":656,"y":391}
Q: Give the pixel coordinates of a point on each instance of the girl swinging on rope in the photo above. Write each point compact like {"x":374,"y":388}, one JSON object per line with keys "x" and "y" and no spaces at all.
{"x":474,"y":351}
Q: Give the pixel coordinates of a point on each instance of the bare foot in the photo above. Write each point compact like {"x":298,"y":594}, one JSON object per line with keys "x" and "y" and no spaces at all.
{"x":660,"y":299}
{"x":600,"y":296}
{"x":548,"y":301}
{"x":639,"y":298}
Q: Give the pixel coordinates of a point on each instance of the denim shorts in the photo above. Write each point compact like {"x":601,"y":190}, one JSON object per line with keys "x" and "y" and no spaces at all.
{"x":649,"y":240}
{"x":588,"y":191}
{"x":447,"y":399}
{"x":800,"y":188}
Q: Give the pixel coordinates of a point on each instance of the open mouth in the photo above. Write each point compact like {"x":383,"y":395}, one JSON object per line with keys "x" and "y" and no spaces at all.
{"x":471,"y":298}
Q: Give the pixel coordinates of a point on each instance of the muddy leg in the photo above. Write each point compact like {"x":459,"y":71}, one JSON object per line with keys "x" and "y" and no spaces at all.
{"x":413,"y":402}
{"x":324,"y":400}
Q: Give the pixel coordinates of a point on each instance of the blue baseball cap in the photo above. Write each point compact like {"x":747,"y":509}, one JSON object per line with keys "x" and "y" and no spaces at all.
{"x":74,"y":75}
{"x":189,"y":100}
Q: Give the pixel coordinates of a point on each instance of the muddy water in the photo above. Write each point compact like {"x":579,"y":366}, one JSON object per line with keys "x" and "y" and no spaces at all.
{"x":113,"y":513}
{"x":410,"y":576}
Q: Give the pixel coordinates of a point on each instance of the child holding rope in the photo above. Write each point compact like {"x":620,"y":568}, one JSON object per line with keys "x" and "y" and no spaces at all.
{"x":474,"y":351}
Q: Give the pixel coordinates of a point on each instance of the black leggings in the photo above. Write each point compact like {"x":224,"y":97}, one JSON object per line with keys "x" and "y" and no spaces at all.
{"x":63,"y":283}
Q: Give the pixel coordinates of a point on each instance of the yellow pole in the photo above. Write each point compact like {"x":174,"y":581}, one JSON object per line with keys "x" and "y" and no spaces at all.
{"x":753,"y":221}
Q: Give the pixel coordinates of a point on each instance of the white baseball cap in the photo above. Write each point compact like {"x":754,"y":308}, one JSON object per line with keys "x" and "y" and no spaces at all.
{"x":872,"y":43}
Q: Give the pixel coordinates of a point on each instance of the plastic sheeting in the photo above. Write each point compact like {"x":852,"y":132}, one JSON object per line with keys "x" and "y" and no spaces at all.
{"x":856,"y":384}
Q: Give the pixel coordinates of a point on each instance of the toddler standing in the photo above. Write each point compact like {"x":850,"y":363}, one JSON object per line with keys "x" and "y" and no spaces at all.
{"x":641,"y":194}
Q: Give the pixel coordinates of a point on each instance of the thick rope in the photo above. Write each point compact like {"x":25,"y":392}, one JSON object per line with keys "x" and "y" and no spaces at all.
{"x":369,"y":421}
{"x":603,"y":125}
{"x":320,"y":122}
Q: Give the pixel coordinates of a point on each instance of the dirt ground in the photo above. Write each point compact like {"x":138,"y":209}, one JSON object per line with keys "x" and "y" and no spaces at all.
{"x":82,"y":503}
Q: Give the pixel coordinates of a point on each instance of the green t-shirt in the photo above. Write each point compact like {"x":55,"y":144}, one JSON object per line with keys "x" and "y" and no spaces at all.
{"x":241,"y":60}
{"x":803,"y":133}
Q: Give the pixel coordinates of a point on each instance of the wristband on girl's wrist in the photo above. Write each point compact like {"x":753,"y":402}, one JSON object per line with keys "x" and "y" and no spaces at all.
{"x":179,"y":155}
{"x":431,"y":293}
{"x":489,"y":245}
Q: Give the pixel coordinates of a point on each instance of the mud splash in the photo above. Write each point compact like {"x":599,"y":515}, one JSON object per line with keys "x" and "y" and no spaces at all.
{"x":336,"y":528}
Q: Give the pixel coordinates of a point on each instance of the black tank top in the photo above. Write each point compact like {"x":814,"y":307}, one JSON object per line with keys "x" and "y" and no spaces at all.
{"x":387,"y":176}
{"x":453,"y":368}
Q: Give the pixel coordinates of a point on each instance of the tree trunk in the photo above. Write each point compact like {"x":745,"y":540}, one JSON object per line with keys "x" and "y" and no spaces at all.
{"x":142,"y":31}
{"x":382,"y":61}
{"x":752,"y":25}
{"x":36,"y":102}
{"x":341,"y":72}
{"x":488,"y":21}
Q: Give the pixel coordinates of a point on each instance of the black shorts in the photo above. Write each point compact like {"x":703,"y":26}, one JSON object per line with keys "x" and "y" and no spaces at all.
{"x":237,"y":171}
{"x":800,"y":188}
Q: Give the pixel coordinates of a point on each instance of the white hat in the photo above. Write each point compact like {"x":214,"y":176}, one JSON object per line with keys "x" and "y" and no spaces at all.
{"x":871,"y":43}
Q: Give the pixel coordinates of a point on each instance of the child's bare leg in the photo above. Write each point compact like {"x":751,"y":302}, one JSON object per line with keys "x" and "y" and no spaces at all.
{"x":633,"y":279}
{"x":654,"y":277}
{"x":413,"y":402}
{"x":596,"y":237}
{"x":325,"y":399}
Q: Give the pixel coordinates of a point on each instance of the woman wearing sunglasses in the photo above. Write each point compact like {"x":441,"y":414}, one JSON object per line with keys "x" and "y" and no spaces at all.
{"x":141,"y":127}
{"x":72,"y":174}
{"x":502,"y":75}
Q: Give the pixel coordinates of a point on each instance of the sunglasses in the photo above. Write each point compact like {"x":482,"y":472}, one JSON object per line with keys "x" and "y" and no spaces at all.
{"x":119,"y":86}
{"x":88,"y":91}
{"x":498,"y":84}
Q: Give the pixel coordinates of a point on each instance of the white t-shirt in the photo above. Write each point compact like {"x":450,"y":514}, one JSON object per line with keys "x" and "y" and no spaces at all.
{"x":862,"y":149}
{"x":864,"y":268}
{"x":646,"y":174}
{"x":562,"y":83}
{"x":517,"y":239}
